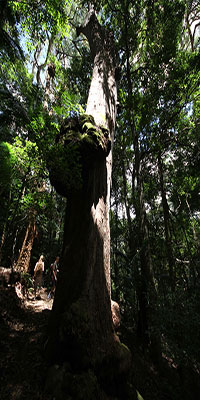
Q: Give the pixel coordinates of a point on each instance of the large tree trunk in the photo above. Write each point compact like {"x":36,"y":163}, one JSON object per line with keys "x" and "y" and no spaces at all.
{"x":81,"y":329}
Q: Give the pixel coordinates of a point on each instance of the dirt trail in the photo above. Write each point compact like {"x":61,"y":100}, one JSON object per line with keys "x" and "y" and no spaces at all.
{"x":39,"y":305}
{"x":23,"y":326}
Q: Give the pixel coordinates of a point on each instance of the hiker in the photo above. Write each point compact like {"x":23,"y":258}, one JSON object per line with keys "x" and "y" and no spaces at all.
{"x":54,"y":275}
{"x":38,"y":275}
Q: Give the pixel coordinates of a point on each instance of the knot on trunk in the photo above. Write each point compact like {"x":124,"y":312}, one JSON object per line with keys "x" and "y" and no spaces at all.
{"x":79,"y":144}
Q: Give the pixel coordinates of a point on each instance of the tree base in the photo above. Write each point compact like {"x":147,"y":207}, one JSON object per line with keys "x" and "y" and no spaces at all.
{"x":63,"y":383}
{"x":83,"y":370}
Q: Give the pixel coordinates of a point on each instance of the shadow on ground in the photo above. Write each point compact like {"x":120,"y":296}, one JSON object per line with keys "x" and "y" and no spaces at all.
{"x":22,"y":334}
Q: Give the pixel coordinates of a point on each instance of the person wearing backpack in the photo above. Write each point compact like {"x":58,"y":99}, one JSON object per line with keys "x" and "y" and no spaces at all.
{"x":38,"y":275}
{"x":54,"y":275}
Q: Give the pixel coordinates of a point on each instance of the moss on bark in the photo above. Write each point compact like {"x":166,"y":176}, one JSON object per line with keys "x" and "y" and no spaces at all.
{"x":78,"y":144}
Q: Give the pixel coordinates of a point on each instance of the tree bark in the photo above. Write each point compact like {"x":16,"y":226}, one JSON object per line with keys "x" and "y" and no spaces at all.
{"x":166,"y":215}
{"x":81,"y":328}
{"x":23,"y":261}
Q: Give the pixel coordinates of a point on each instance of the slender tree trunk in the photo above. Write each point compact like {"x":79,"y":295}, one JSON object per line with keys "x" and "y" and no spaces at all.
{"x":115,"y":267}
{"x":189,"y":31}
{"x":8,"y":226}
{"x":23,"y":261}
{"x":2,"y":241}
{"x":4,"y":228}
{"x":166,"y":215}
{"x":147,"y":295}
{"x":146,"y":292}
{"x":127,"y":207}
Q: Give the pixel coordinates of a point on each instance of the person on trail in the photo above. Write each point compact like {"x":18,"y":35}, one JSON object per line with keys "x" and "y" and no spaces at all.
{"x":54,"y":276}
{"x":38,"y":275}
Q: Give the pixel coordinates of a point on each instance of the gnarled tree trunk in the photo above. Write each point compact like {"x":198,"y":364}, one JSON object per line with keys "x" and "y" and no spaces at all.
{"x":81,"y":328}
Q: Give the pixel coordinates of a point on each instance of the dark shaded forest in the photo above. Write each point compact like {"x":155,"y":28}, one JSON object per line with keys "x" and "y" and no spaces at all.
{"x":99,"y":161}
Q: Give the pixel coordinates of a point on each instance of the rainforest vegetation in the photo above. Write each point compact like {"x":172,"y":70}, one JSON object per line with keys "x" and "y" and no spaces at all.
{"x":99,"y":164}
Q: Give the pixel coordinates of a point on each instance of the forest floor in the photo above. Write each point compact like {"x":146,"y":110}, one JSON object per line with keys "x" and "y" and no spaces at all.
{"x":23,"y":370}
{"x":23,"y":323}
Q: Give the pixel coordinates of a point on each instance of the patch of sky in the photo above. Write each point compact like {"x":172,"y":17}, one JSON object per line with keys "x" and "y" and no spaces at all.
{"x":188,"y":108}
{"x":29,"y":50}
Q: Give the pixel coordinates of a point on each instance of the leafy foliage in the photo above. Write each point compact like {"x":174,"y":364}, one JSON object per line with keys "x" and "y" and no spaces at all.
{"x":45,"y":73}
